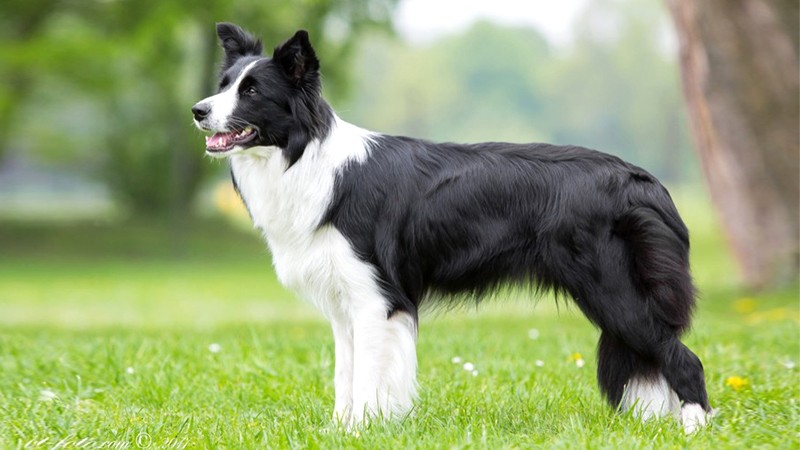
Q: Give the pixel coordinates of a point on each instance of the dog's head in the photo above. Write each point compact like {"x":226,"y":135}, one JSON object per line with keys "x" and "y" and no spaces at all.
{"x":262,"y":101}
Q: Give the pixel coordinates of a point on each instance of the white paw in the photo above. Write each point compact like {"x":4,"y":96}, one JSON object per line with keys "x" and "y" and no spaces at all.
{"x":649,"y":398}
{"x":694,"y":417}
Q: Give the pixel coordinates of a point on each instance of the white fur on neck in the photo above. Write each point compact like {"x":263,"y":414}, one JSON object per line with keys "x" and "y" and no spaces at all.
{"x":288,"y":206}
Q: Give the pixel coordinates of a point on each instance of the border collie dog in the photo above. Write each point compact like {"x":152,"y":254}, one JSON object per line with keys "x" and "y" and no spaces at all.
{"x":371,"y":227}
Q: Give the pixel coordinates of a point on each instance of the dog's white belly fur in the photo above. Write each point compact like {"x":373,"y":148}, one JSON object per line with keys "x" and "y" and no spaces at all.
{"x":375,"y":355}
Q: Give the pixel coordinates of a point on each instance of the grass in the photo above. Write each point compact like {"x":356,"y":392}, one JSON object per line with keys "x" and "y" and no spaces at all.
{"x":115,"y":336}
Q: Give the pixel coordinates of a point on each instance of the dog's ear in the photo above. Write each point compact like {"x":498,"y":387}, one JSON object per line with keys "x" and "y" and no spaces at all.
{"x":297,"y":59}
{"x":237,"y":43}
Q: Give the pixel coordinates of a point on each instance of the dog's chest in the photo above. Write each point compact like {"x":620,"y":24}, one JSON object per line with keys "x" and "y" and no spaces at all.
{"x":287,"y":206}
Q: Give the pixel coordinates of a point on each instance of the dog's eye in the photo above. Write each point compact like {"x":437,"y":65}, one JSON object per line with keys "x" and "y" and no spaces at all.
{"x":250,"y":91}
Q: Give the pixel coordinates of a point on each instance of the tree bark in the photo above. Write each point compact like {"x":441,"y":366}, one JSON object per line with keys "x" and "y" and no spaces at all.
{"x":739,"y":66}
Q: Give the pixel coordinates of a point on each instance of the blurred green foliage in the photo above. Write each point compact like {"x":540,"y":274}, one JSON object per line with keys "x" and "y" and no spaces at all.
{"x":615,"y":88}
{"x":106,"y":86}
{"x":103,"y":88}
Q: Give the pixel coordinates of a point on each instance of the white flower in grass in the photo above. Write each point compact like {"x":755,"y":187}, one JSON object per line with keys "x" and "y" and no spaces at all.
{"x":580,"y":362}
{"x":474,"y":373}
{"x":47,"y":395}
{"x":469,"y":367}
{"x":539,"y":363}
{"x":456,"y":360}
{"x":788,"y":363}
{"x":533,"y":334}
{"x":214,"y":347}
{"x":129,"y":371}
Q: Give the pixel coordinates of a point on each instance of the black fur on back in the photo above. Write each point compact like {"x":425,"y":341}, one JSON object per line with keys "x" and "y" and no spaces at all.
{"x":462,"y":219}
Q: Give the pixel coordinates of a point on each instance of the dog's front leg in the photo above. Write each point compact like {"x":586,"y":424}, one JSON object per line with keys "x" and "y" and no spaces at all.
{"x":343,"y":372}
{"x":385,"y":362}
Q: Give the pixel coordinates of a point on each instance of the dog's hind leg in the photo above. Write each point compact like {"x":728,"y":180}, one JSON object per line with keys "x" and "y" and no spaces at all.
{"x":653,"y":378}
{"x":629,"y":381}
{"x":644,"y":367}
{"x":684,"y":373}
{"x":385,"y":362}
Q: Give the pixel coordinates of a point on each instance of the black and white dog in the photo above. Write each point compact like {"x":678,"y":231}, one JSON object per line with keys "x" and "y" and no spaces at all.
{"x":369,"y":227}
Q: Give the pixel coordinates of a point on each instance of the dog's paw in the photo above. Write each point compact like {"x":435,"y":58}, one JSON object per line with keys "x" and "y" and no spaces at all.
{"x":694,"y":417}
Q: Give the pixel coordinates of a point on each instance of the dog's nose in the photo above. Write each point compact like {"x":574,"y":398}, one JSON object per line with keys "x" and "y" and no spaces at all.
{"x":200,"y":111}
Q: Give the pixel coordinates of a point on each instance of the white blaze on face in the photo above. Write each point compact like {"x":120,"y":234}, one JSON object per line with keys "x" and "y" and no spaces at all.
{"x":223,"y":104}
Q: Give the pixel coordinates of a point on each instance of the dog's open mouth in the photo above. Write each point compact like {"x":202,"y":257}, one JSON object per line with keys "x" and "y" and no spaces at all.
{"x":224,"y":141}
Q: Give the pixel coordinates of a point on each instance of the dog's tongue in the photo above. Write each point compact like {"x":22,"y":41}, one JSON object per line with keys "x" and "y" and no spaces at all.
{"x":220,"y":140}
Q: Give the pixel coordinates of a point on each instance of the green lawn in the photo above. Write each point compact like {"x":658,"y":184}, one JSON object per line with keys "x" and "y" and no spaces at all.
{"x":122,"y":335}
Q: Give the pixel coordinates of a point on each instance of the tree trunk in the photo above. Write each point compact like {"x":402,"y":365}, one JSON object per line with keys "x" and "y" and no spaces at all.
{"x":739,"y":66}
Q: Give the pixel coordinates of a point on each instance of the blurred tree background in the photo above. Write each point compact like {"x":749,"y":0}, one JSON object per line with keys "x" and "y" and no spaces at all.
{"x":96,"y":94}
{"x":739,"y":62}
{"x":615,"y":88}
{"x":103,"y":88}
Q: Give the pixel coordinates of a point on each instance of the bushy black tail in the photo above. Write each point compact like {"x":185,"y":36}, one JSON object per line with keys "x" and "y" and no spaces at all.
{"x":658,"y":242}
{"x":642,"y":345}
